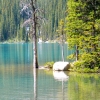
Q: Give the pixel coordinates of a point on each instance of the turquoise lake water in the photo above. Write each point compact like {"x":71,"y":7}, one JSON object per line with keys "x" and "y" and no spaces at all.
{"x":17,"y":76}
{"x":21,"y":53}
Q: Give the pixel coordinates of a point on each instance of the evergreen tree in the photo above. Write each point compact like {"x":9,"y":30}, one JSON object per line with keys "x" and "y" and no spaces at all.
{"x":11,"y":20}
{"x":83,"y":30}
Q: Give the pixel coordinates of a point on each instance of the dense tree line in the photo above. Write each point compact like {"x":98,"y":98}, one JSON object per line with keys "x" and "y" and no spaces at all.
{"x":11,"y":20}
{"x":55,"y":10}
{"x":83,"y":32}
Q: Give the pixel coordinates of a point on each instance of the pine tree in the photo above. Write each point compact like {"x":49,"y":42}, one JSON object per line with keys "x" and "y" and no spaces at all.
{"x":83,"y":30}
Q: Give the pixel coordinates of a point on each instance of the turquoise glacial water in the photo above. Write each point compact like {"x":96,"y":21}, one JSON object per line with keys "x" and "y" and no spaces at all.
{"x":17,"y":76}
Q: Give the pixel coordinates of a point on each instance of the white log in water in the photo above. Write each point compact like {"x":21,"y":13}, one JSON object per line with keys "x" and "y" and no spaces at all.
{"x":61,"y":66}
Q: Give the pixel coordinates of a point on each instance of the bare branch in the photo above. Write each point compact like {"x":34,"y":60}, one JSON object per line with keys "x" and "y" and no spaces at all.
{"x":27,"y":22}
{"x":40,"y":10}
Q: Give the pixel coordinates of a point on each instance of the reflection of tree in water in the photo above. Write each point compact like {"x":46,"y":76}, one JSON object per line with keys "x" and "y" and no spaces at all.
{"x":61,"y":76}
{"x":48,"y":87}
{"x":35,"y":73}
{"x":84,"y":87}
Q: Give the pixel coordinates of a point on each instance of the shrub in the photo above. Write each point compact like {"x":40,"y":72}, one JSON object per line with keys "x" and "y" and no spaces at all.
{"x":49,"y":65}
{"x":88,"y":60}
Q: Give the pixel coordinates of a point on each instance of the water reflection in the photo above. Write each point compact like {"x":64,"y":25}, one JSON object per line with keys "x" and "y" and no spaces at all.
{"x":22,"y":53}
{"x":15,"y":53}
{"x":84,"y":87}
{"x":18,"y":83}
{"x":15,"y":83}
{"x":35,"y":76}
{"x":60,"y":75}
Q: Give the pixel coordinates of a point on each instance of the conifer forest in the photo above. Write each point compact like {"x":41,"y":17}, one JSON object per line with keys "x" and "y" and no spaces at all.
{"x":12,"y":19}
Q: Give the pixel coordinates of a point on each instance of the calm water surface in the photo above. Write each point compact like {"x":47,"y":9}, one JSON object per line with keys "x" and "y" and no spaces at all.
{"x":17,"y":76}
{"x":20,"y":53}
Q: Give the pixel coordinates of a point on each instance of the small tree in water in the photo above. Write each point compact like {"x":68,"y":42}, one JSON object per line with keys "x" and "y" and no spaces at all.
{"x":61,"y":36}
{"x":34,"y":26}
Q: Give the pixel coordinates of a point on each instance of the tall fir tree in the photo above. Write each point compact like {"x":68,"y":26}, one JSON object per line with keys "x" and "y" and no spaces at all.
{"x":83,"y":30}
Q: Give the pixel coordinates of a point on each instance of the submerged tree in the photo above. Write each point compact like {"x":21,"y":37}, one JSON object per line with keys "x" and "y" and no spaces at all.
{"x":34,"y":20}
{"x":34,"y":26}
{"x":30,"y":9}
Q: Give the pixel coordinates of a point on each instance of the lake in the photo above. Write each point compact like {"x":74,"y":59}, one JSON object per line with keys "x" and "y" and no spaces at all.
{"x":17,"y":77}
{"x":22,"y":53}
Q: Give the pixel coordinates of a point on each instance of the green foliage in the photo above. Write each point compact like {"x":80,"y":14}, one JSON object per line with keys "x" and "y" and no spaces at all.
{"x":88,"y":60}
{"x":61,"y":34}
{"x":53,"y":13}
{"x":79,"y":67}
{"x":86,"y":63}
{"x":49,"y":65}
{"x":71,"y":57}
{"x":11,"y":20}
{"x":83,"y":86}
{"x":83,"y":31}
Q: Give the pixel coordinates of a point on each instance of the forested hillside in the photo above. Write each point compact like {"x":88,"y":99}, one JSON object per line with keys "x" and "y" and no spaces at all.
{"x":55,"y":10}
{"x":11,"y":20}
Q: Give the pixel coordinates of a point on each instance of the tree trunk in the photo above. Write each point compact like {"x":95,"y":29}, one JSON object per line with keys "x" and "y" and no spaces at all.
{"x":62,"y":47}
{"x":77,"y":52}
{"x":34,"y":36}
